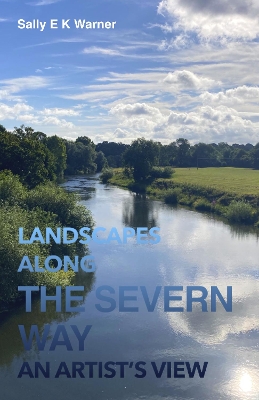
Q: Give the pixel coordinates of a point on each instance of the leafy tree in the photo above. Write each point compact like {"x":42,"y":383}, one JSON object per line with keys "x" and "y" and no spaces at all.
{"x":80,"y":157}
{"x":255,"y":156}
{"x":205,"y":155}
{"x":113,"y":152}
{"x":183,"y":152}
{"x":57,"y":147}
{"x":101,"y":161}
{"x":23,"y":154}
{"x":140,"y":157}
{"x":2,"y":129}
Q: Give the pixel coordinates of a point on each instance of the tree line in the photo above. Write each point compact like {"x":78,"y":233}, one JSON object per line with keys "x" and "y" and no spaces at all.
{"x":30,"y":162}
{"x":180,"y":153}
{"x":38,"y":158}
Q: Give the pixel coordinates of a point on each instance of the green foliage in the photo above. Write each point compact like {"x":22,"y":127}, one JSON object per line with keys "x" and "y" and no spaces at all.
{"x":240,"y":212}
{"x":202,"y":205}
{"x":57,"y":147}
{"x":186,"y":200}
{"x":172,"y":197}
{"x":54,"y":199}
{"x":12,"y":192}
{"x":113,"y":152}
{"x":80,"y":156}
{"x":106,"y":175}
{"x":44,"y":206}
{"x":24,"y":153}
{"x":11,"y":252}
{"x":141,"y":156}
{"x":101,"y":161}
{"x":207,"y":193}
{"x":159,"y":172}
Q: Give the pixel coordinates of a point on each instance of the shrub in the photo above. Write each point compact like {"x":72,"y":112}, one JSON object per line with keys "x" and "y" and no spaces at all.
{"x":12,"y":191}
{"x":159,"y":172}
{"x":240,"y":212}
{"x":53,"y":199}
{"x":173,"y":196}
{"x":106,"y":175}
{"x":11,"y":252}
{"x":46,"y":205}
{"x":202,"y":205}
{"x":186,"y":200}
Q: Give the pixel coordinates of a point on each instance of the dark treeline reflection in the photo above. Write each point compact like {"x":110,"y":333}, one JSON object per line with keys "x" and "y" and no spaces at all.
{"x":242,"y":231}
{"x":10,"y":341}
{"x":138,"y":211}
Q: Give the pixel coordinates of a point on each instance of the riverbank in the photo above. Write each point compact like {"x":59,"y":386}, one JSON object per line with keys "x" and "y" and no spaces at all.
{"x":232,"y":193}
{"x":44,"y":206}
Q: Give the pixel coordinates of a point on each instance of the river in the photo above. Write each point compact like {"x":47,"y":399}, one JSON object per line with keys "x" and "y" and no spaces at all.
{"x":195,"y":249}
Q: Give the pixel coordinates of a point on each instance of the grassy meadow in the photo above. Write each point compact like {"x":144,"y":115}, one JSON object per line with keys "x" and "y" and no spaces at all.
{"x":240,"y":181}
{"x":230,"y":192}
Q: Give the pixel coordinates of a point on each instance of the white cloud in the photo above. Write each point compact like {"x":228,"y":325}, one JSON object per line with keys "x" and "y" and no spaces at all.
{"x":43,"y":2}
{"x":101,"y":50}
{"x":164,"y":27}
{"x":121,"y":133}
{"x":133,"y":110}
{"x":204,"y":123}
{"x":188,"y":80}
{"x":211,"y":19}
{"x":13,"y":112}
{"x":60,"y":112}
{"x":232,"y":97}
{"x":17,"y":85}
{"x":58,"y":122}
{"x":181,"y":41}
{"x":28,"y":115}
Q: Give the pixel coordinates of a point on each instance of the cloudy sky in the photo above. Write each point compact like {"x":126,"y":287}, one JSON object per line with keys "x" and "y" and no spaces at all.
{"x":168,"y":69}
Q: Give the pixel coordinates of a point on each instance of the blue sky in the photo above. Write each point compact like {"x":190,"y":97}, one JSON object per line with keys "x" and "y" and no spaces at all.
{"x":168,"y":69}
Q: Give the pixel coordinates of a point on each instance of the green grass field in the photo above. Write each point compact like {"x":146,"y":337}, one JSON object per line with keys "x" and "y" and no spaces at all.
{"x":241,"y":181}
{"x":230,"y":192}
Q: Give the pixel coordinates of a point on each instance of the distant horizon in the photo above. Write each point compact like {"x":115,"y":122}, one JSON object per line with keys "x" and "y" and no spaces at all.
{"x":165,"y":69}
{"x":155,"y":140}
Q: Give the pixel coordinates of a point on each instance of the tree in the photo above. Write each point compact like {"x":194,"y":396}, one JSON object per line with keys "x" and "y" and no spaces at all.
{"x":57,"y":147}
{"x":183,"y":152}
{"x":101,"y":161}
{"x":140,"y":157}
{"x":23,"y":154}
{"x":80,"y":158}
{"x":113,"y":152}
{"x":255,"y":156}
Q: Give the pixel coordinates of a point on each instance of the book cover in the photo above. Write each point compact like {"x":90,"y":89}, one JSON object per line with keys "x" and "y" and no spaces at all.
{"x":129,"y":191}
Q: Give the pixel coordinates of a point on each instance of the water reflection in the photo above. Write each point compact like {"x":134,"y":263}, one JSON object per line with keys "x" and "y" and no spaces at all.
{"x":243,"y":231}
{"x":243,"y":384}
{"x":195,"y":249}
{"x":138,"y":211}
{"x":9,"y":326}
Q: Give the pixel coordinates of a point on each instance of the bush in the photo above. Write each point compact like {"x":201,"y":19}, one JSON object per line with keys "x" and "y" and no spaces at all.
{"x":12,"y":191}
{"x":202,"y":205}
{"x":53,"y":199}
{"x":11,"y":252}
{"x":159,"y":172}
{"x":173,"y":196}
{"x":106,"y":175}
{"x":240,"y":212}
{"x":186,"y":200}
{"x":44,"y":206}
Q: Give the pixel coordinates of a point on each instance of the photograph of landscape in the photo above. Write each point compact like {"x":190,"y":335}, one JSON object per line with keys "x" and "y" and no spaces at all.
{"x":129,"y":200}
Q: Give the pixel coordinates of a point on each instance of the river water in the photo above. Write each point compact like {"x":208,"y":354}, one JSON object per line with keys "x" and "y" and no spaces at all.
{"x":195,"y":250}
